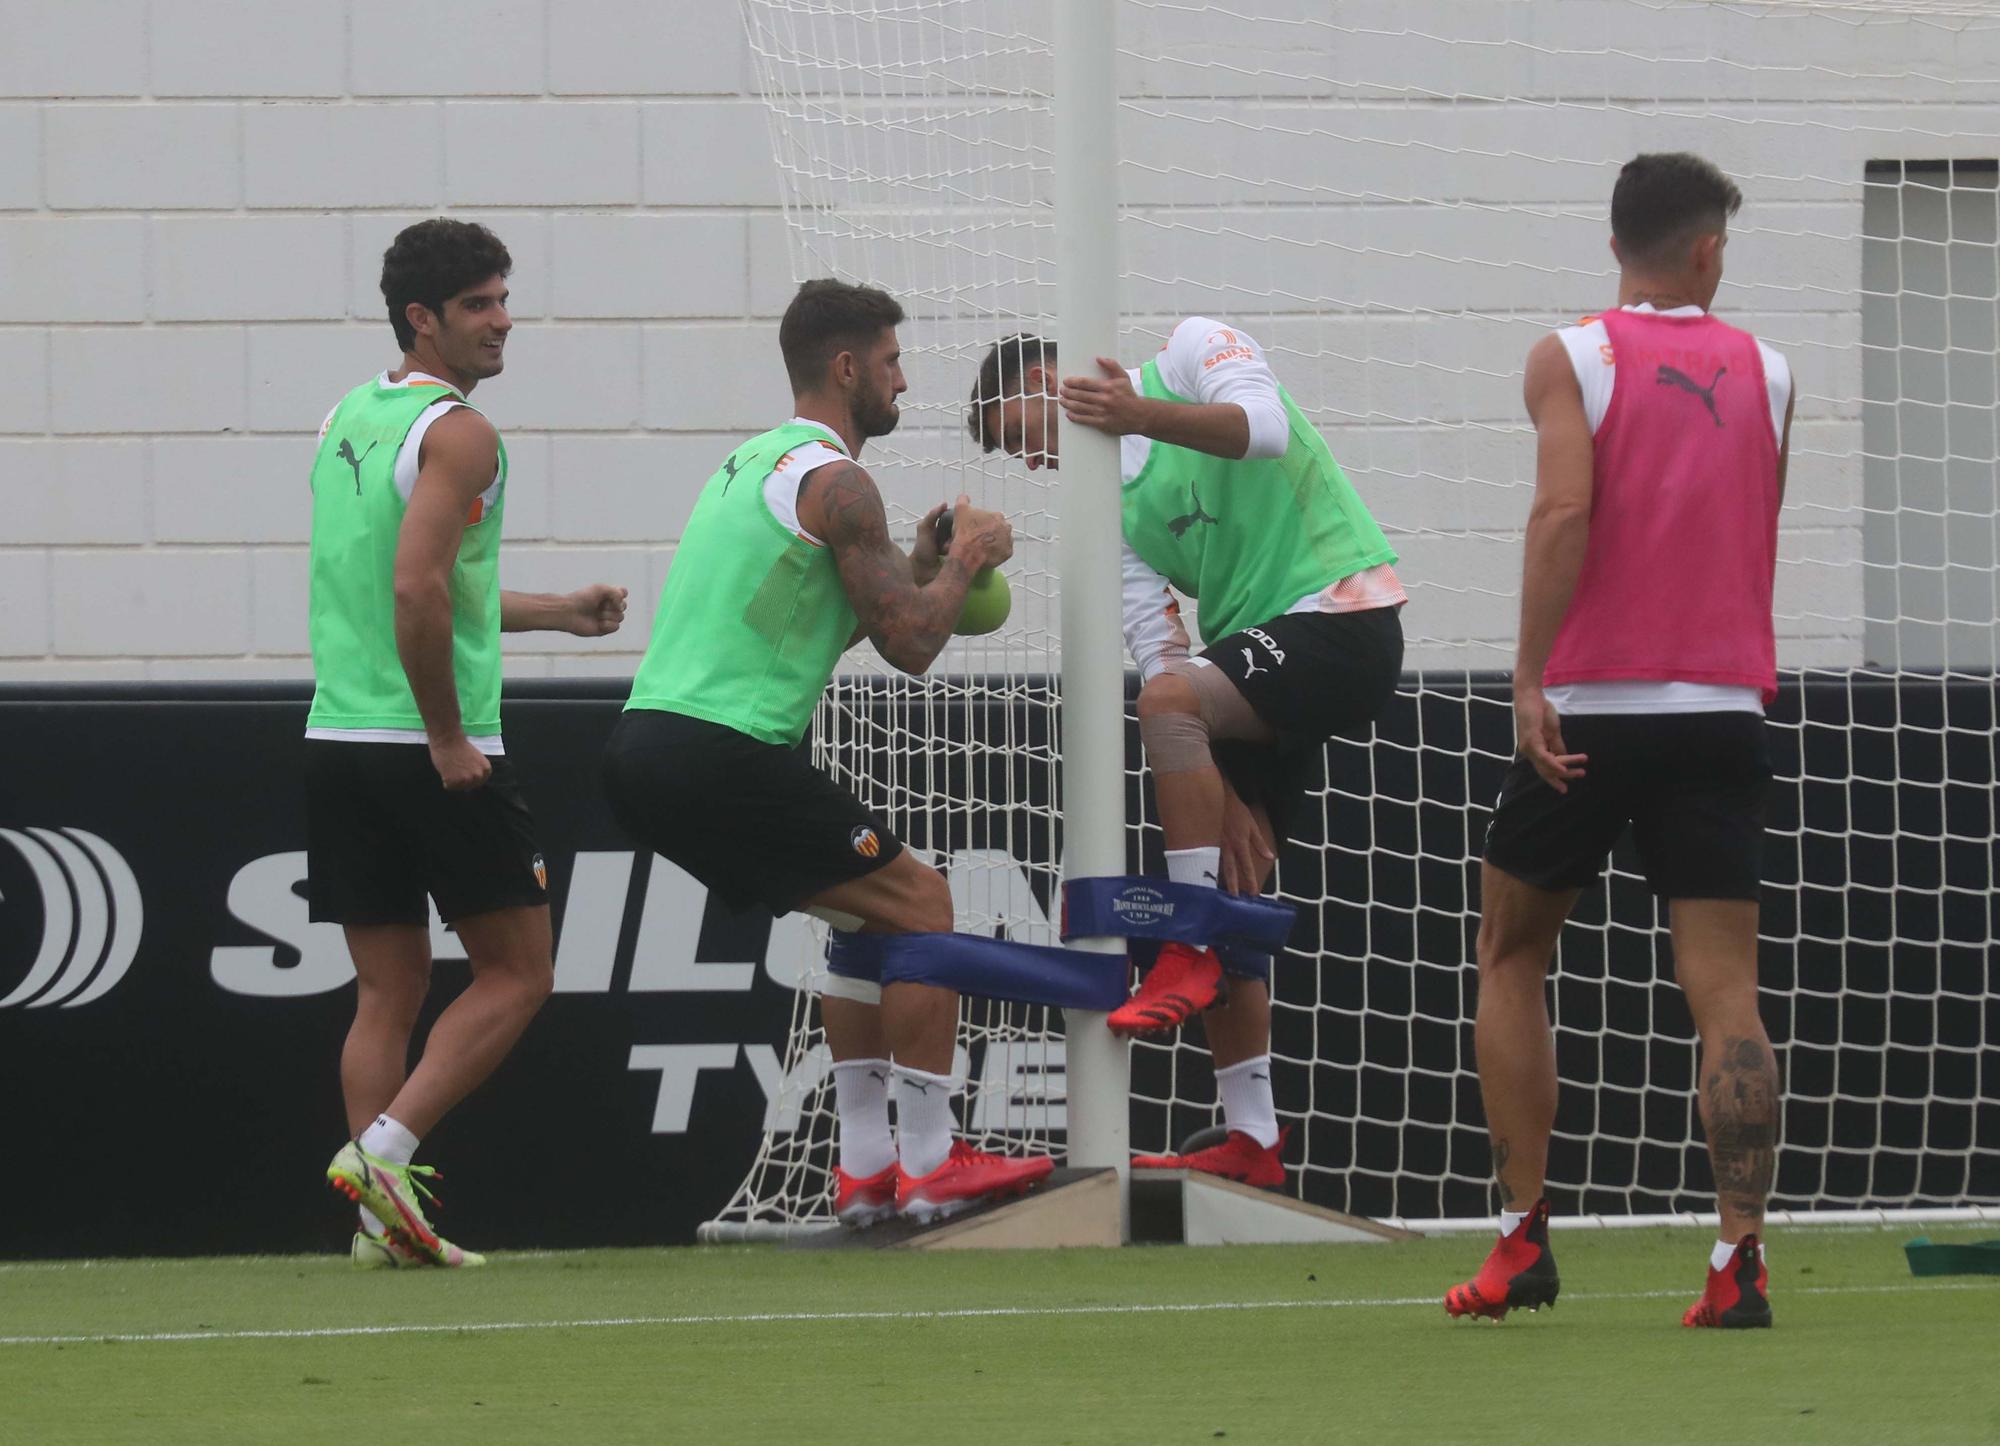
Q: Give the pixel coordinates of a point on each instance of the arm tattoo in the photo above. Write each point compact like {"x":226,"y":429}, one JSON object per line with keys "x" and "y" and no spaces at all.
{"x":1739,"y":1110}
{"x":909,"y":624}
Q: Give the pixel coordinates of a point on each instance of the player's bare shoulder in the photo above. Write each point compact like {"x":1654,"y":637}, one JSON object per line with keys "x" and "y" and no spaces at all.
{"x":461,"y":442}
{"x":1547,"y":377}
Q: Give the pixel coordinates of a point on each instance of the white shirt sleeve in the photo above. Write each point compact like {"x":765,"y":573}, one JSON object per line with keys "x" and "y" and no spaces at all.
{"x":412,"y":453}
{"x":1778,"y":382}
{"x":781,"y":488}
{"x":1588,"y":346}
{"x":324,"y":424}
{"x":1153,"y":631}
{"x":1211,"y":362}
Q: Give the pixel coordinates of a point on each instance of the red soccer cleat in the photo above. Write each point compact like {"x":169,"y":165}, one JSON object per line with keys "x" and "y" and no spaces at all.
{"x":967,"y":1177}
{"x":1520,"y":1274}
{"x":861,"y":1201}
{"x":1237,"y":1158}
{"x":1738,"y":1296}
{"x":1183,"y":981}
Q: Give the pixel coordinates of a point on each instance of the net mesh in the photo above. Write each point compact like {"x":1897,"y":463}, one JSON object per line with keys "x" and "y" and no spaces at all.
{"x":1397,"y":203}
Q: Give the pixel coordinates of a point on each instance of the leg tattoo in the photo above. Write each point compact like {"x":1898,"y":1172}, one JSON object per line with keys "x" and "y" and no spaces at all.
{"x":1501,"y":1150}
{"x":1739,"y":1108}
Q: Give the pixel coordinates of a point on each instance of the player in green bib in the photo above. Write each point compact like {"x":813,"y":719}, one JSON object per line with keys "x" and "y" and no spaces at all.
{"x":409,"y":794}
{"x":785,"y":563}
{"x":1230,"y":498}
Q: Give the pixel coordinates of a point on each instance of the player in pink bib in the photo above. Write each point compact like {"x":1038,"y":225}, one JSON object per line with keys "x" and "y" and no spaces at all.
{"x":1646,"y":658}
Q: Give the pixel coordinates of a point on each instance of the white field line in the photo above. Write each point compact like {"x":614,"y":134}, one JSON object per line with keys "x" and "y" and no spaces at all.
{"x":1013,"y":1312}
{"x":319,"y":1261}
{"x":1856,"y":1222}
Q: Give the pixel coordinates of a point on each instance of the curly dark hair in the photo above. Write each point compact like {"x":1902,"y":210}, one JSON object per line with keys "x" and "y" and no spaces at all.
{"x":826,"y":318}
{"x":999,"y":379}
{"x":1663,"y":200}
{"x":431,"y":262}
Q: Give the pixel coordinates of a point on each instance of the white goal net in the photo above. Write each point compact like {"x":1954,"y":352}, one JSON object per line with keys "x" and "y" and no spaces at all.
{"x":1397,"y":201}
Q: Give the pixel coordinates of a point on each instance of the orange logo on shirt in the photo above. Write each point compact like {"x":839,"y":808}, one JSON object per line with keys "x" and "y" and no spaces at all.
{"x":864,"y":842}
{"x":1224,"y":334}
{"x":1233,"y":353}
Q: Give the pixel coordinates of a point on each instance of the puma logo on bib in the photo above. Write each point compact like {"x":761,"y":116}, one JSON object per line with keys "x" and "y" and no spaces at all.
{"x":1674,"y":377}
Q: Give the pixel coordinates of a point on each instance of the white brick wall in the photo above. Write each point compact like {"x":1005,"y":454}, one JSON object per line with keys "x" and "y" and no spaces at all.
{"x":81,"y":47}
{"x":325,"y":157}
{"x":76,"y":271}
{"x":78,"y":492}
{"x":194,"y":199}
{"x":226,"y":47}
{"x":141,"y":157}
{"x":20,"y":157}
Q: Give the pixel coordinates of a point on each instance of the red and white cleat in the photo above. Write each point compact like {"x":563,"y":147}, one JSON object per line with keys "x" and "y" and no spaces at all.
{"x":1519,"y":1274}
{"x":1237,"y":1158}
{"x":1738,"y":1296}
{"x":1183,"y":981}
{"x":863,"y":1200}
{"x":967,"y":1177}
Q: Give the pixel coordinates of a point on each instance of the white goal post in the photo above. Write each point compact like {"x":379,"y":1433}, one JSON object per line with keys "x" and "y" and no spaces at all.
{"x":1396,"y":200}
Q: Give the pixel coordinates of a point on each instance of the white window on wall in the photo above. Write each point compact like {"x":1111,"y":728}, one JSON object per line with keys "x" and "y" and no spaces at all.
{"x":1930,"y":329}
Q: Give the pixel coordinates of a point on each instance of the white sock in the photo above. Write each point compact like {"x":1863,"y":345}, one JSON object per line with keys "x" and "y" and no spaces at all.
{"x":923,"y":1118}
{"x":369,"y":1224}
{"x":1510,"y":1220}
{"x":1725,"y":1251}
{"x":387,"y":1140}
{"x":1246,"y":1099}
{"x":861,"y":1094}
{"x":1195,"y":866}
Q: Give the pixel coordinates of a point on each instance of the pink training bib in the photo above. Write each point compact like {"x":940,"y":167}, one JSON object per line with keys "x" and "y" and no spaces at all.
{"x":1676,"y":580}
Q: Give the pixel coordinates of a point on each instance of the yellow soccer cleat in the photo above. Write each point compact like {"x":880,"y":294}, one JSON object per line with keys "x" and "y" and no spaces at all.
{"x":379,"y":1252}
{"x":394,"y":1194}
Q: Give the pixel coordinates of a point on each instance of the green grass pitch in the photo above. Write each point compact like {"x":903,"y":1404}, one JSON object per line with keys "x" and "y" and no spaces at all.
{"x":1248,"y":1344}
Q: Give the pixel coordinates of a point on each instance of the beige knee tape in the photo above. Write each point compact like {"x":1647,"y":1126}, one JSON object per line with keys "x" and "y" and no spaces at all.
{"x":1175,"y":742}
{"x":1224,"y":709}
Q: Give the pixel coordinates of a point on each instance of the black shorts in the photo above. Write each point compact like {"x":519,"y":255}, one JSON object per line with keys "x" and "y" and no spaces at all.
{"x":382,"y":832}
{"x":755,"y":822}
{"x":1311,"y":676}
{"x":1692,"y":785}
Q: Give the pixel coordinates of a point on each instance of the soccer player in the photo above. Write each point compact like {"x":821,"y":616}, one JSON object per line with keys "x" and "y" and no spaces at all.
{"x":785,"y":563}
{"x":1646,"y":658}
{"x":1232,"y":497}
{"x":409,"y":791}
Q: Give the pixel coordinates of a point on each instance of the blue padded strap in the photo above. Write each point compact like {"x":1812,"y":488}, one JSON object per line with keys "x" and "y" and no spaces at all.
{"x":1143,"y":908}
{"x":1002,"y":969}
{"x":855,"y":955}
{"x":1240,"y":961}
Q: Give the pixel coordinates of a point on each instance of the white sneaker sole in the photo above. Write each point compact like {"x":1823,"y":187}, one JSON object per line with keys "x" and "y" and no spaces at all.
{"x":926,"y":1212}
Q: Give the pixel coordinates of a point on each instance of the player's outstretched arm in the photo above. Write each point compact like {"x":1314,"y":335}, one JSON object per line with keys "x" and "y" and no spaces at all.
{"x":1110,"y":404}
{"x":460,"y":453}
{"x":908,"y":623}
{"x":1558,"y":535}
{"x":1234,"y":408}
{"x":590,"y":612}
